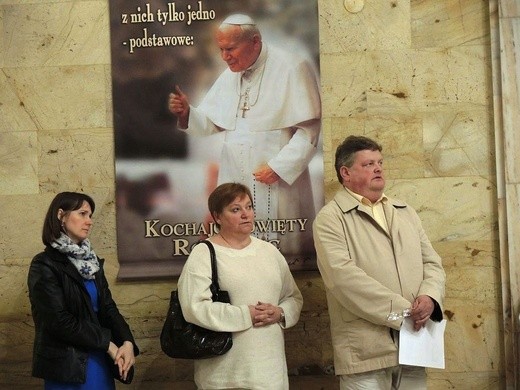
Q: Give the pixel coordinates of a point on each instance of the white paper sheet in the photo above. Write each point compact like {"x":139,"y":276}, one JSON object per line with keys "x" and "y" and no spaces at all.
{"x":423,"y":348}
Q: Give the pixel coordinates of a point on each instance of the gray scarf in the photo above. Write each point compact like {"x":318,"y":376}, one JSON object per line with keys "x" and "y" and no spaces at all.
{"x":82,"y":256}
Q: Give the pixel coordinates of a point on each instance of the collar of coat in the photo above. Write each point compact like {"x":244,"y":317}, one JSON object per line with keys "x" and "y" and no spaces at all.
{"x":347,"y":202}
{"x":65,"y":264}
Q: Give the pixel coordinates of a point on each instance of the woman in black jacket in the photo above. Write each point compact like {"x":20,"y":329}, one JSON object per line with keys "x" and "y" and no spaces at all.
{"x":80,"y":336}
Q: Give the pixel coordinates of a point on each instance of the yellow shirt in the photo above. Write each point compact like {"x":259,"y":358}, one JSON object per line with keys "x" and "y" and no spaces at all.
{"x":378,"y":213}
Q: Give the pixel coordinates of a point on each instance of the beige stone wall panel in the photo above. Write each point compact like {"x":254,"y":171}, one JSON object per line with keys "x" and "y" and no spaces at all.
{"x":475,"y":284}
{"x":473,"y":344}
{"x":310,"y":344}
{"x":56,"y":34}
{"x":420,"y":80}
{"x":108,"y":97}
{"x":14,"y":115}
{"x":18,"y":163}
{"x":381,"y":25}
{"x":509,"y":34}
{"x":62,"y":97}
{"x":458,"y":143}
{"x":443,"y":380}
{"x":22,"y":217}
{"x":310,"y":339}
{"x":451,"y":209}
{"x":513,"y":216}
{"x":16,"y":325}
{"x":344,"y":84}
{"x":509,"y":8}
{"x":449,"y":23}
{"x":455,"y":254}
{"x":104,"y":233}
{"x":2,"y":54}
{"x":17,"y":307}
{"x":76,"y":160}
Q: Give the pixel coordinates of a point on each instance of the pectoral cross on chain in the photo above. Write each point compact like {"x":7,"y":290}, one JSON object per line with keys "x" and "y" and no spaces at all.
{"x":245,"y":106}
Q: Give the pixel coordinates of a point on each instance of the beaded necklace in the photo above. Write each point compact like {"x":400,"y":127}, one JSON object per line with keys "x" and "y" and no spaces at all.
{"x":257,"y":233}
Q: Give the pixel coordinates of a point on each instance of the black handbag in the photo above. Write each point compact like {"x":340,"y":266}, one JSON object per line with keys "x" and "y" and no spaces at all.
{"x":183,"y":340}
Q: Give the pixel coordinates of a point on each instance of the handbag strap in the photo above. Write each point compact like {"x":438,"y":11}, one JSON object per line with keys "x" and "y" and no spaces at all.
{"x":214,"y":287}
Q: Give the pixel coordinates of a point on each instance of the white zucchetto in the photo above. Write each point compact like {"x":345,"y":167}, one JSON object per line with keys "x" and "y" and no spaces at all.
{"x":239,"y":20}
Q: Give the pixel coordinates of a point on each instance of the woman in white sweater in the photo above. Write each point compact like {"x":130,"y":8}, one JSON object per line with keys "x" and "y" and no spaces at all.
{"x":264,"y":298}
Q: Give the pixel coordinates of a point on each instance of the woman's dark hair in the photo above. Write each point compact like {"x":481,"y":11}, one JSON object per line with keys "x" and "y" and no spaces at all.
{"x":346,"y":151}
{"x":67,"y":201}
{"x":223,"y":195}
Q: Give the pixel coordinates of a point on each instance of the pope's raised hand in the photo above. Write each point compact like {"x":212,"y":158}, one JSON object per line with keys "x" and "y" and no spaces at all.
{"x":179,"y":106}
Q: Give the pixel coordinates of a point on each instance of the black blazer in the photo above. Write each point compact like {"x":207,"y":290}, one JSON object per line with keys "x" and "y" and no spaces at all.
{"x":66,"y":327}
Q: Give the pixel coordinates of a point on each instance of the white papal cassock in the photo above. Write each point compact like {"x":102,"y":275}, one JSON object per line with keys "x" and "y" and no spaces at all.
{"x":271,"y":113}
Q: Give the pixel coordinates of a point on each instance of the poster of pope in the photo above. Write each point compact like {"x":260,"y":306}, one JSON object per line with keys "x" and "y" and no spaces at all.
{"x":237,"y":100}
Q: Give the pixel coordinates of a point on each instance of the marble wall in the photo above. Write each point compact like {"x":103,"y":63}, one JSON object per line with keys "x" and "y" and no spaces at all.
{"x":505,"y":32}
{"x":414,"y":74}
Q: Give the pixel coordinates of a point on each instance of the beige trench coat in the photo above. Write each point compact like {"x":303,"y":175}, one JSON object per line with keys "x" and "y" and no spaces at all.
{"x":368,"y":272}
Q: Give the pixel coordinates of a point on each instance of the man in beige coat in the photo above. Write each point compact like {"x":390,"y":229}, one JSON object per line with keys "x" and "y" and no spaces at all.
{"x":375,"y":259}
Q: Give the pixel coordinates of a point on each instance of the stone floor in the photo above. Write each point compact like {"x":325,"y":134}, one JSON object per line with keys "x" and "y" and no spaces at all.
{"x":306,"y":382}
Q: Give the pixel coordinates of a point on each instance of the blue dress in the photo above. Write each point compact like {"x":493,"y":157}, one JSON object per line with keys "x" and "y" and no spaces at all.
{"x":98,"y":375}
